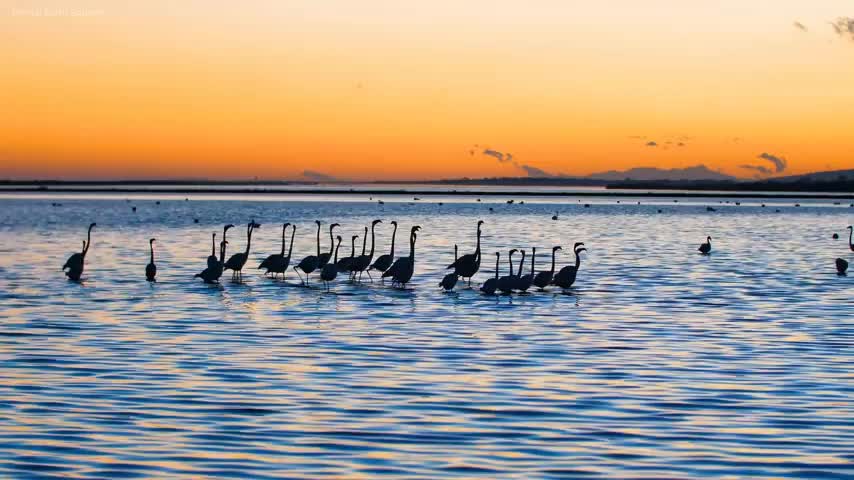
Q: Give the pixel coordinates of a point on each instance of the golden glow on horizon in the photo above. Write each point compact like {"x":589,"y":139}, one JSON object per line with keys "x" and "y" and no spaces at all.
{"x":385,"y":90}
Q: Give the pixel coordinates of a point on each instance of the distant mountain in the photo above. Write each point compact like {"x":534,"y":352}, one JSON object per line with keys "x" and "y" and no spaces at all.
{"x":699,"y":172}
{"x":831,"y":176}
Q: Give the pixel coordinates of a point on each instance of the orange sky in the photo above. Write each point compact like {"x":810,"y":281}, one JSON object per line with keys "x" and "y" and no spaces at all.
{"x":399,"y":90}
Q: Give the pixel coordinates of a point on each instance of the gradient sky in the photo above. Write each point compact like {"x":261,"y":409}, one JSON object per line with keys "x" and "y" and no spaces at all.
{"x":404,"y":90}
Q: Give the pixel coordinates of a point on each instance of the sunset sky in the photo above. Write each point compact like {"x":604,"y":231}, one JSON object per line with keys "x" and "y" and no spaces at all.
{"x":404,"y":90}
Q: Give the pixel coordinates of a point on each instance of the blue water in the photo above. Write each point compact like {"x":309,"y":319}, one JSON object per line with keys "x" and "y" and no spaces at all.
{"x":659,"y":363}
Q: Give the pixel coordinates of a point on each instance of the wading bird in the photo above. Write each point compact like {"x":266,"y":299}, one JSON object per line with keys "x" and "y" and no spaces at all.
{"x":706,"y":248}
{"x":544,"y":278}
{"x":450,"y":280}
{"x":401,"y":271}
{"x":151,"y":268}
{"x":491,"y":284}
{"x":566,"y":276}
{"x":323,"y":258}
{"x":76,"y":262}
{"x":383,"y":262}
{"x":215,"y":267}
{"x":468,"y":265}
{"x":362,"y":262}
{"x":507,"y":282}
{"x":345,"y":263}
{"x":238,"y":260}
{"x":850,"y":235}
{"x":309,"y":263}
{"x":525,"y":281}
{"x":330,"y":270}
{"x":274,"y":263}
{"x":212,"y":257}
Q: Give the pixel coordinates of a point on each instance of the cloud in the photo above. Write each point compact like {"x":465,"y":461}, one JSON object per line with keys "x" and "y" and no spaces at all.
{"x":508,"y":158}
{"x":761,"y":169}
{"x":780,"y":163}
{"x":844,"y":27}
{"x":651,"y":144}
{"x":800,"y":26}
{"x":317,"y":176}
{"x":680,"y":144}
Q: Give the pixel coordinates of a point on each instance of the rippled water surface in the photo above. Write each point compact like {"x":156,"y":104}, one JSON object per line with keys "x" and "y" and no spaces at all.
{"x":659,"y":363}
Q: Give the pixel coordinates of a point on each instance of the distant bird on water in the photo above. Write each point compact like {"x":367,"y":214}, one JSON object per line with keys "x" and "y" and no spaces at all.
{"x":489,"y":286}
{"x":449,"y":281}
{"x":841,"y":266}
{"x":76,"y":262}
{"x":151,"y":268}
{"x":836,"y":236}
{"x":706,"y":247}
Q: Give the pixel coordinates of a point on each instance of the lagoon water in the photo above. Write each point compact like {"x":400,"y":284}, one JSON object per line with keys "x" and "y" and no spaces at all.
{"x":659,"y":363}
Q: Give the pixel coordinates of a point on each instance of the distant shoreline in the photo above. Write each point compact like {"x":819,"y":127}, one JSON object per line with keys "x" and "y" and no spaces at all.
{"x":138,"y":188}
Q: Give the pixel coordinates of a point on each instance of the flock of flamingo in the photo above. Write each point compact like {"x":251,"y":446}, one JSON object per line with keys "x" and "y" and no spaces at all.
{"x":400,"y":270}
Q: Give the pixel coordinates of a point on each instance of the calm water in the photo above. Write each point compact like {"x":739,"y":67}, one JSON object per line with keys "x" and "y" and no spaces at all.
{"x":660,"y":363}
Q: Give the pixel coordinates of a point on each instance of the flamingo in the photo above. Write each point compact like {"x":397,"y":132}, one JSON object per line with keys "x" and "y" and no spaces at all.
{"x":275,"y":262}
{"x":330,"y":270}
{"x":468,"y":265}
{"x":309,"y":263}
{"x":323,"y":258}
{"x":76,"y":262}
{"x":345,"y":263}
{"x":212,"y":257}
{"x":151,"y":268}
{"x":238,"y":260}
{"x":850,"y":235}
{"x":449,"y":281}
{"x":507,"y":282}
{"x":566,"y":276}
{"x":215,"y":266}
{"x":542,"y":279}
{"x":383,"y":262}
{"x":491,"y":284}
{"x":525,"y":281}
{"x":401,"y":271}
{"x":364,"y":261}
{"x":841,"y":266}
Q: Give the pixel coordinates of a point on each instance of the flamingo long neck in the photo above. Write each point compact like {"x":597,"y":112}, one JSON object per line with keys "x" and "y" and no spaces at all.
{"x":331,"y":240}
{"x":497,"y":260}
{"x":284,"y":229}
{"x":521,"y":264}
{"x":393,"y":234}
{"x":554,"y":252}
{"x":510,"y":259}
{"x":318,"y":239}
{"x":477,"y":249}
{"x":213,"y":246}
{"x":222,"y":250}
{"x":335,"y":260}
{"x":850,"y":235}
{"x":353,"y":247}
{"x":373,"y":240}
{"x":412,"y":246}
{"x":365,"y":242}
{"x":88,"y":241}
{"x":533,"y":258}
{"x":293,"y":234}
{"x":249,"y":239}
{"x":455,"y":254}
{"x":151,"y":247}
{"x":577,"y":259}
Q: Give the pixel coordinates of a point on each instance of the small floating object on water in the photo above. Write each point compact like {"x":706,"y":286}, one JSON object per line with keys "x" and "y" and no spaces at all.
{"x":554,"y":217}
{"x":797,"y":204}
{"x":380,"y":202}
{"x":841,"y":266}
{"x":491,"y":210}
{"x":710,"y":209}
{"x":478,"y":199}
{"x":837,"y":203}
{"x":618,"y":201}
{"x":186,"y":199}
{"x":659,"y":210}
{"x":522,"y":202}
{"x":586,"y":205}
{"x":763,"y":205}
{"x":416,"y":198}
{"x":440,"y":204}
{"x":510,"y":202}
{"x":836,"y":236}
{"x":195,"y":220}
{"x":675,"y":201}
{"x":157,"y":202}
{"x":777,"y":211}
{"x":737,"y":204}
{"x":133,"y":208}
